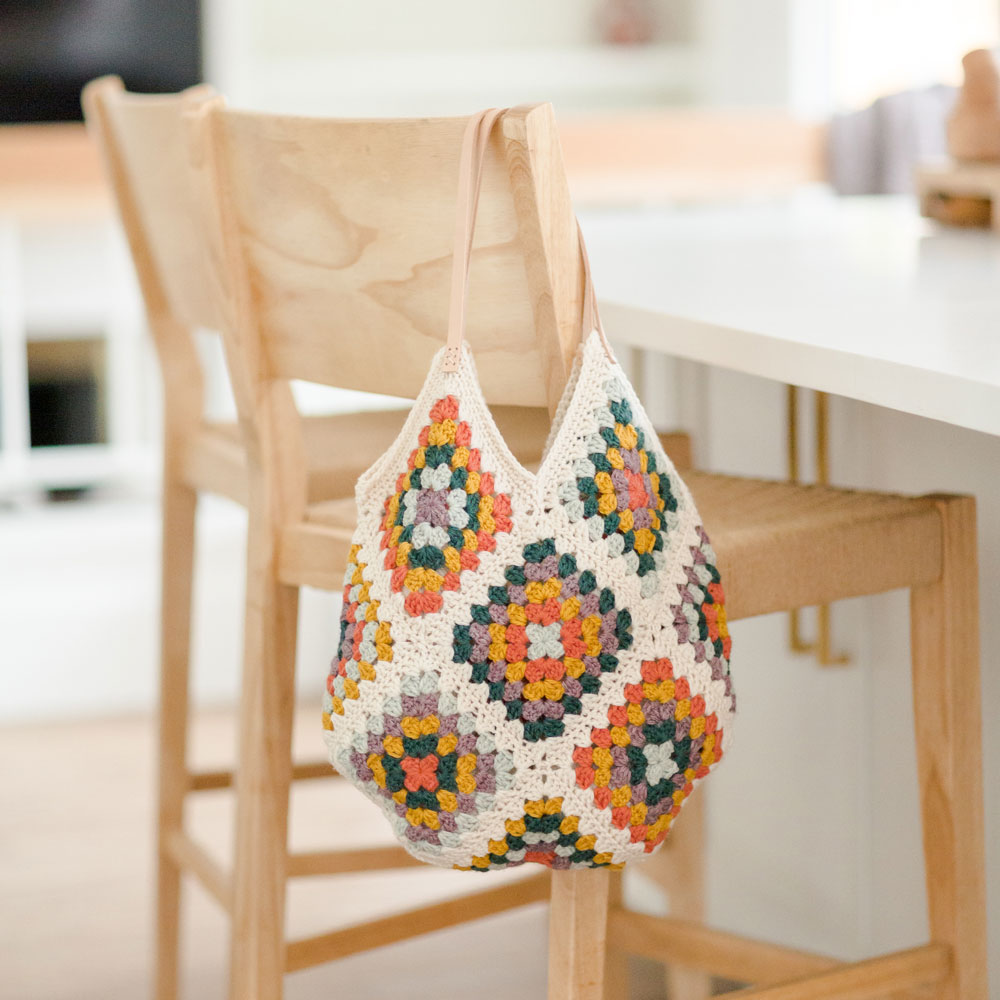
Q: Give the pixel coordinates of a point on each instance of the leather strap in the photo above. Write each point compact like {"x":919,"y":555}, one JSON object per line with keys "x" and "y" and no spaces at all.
{"x":591,"y":315}
{"x":475,"y":143}
{"x":470,"y":176}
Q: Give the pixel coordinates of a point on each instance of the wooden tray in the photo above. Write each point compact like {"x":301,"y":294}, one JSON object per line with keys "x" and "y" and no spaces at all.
{"x":959,"y":193}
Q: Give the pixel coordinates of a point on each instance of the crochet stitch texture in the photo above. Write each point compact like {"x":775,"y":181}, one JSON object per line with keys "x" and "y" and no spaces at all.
{"x":533,"y":667}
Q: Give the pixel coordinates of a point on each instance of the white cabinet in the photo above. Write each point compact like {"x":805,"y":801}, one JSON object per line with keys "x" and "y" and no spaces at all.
{"x":66,"y":281}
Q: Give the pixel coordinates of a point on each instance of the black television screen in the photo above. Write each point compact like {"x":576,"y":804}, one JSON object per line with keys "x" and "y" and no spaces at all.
{"x":50,"y":48}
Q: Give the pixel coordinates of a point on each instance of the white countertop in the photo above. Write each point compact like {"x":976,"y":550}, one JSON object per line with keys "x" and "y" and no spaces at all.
{"x":858,"y":297}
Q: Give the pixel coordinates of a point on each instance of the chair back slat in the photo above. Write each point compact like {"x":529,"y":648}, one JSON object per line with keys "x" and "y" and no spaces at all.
{"x":342,"y":233}
{"x":145,"y":146}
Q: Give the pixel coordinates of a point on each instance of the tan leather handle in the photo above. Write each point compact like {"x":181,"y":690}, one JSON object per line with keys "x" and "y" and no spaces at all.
{"x":591,"y":315}
{"x":470,"y":177}
{"x":475,"y":142}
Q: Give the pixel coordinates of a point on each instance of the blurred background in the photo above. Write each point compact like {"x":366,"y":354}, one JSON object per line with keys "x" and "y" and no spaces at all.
{"x":700,"y":102}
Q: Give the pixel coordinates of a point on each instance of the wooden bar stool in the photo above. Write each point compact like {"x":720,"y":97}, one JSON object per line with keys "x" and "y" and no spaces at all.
{"x":145,"y":148}
{"x":333,"y":244}
{"x":835,"y":544}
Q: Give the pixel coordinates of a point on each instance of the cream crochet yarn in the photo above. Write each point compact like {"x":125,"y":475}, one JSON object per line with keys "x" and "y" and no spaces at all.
{"x":533,"y":667}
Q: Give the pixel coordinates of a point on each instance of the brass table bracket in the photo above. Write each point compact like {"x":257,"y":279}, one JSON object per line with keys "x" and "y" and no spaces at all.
{"x":822,"y":646}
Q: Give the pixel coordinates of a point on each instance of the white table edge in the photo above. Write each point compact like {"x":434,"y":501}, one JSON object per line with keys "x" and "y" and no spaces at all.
{"x":936,"y":395}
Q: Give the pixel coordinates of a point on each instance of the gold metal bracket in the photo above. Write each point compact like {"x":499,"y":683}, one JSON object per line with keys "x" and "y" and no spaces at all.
{"x":822,"y":646}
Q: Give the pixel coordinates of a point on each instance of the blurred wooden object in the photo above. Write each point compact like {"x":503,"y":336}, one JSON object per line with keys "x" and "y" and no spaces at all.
{"x":689,"y":155}
{"x":965,"y":189}
{"x":958,"y":193}
{"x":974,"y":126}
{"x":51,"y":172}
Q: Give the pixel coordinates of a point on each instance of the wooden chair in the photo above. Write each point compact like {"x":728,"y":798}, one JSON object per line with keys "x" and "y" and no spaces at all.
{"x":344,"y":283}
{"x":145,"y":149}
{"x":322,"y":226}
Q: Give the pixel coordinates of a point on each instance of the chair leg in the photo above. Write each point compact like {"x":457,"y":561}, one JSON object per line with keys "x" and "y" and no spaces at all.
{"x":944,"y":624}
{"x":616,"y":961}
{"x":687,"y":893}
{"x":679,"y":869}
{"x":578,"y":921}
{"x":263,"y":780}
{"x":177,"y":568}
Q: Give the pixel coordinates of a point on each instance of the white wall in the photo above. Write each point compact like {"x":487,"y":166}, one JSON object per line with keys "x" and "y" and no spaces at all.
{"x":441,"y":56}
{"x":884,"y":46}
{"x":816,"y":57}
{"x":330,"y":28}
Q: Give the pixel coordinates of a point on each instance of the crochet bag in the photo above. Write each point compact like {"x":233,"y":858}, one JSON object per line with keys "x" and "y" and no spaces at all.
{"x":533,"y":667}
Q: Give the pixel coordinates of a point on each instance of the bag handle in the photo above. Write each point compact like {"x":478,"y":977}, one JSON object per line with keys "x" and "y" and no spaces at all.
{"x":591,"y":314}
{"x":470,"y":176}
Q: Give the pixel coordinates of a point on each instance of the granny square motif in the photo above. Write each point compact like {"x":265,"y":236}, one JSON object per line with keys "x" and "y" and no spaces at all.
{"x":533,"y":667}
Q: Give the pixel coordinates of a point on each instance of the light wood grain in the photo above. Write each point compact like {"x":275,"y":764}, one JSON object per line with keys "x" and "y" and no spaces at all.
{"x":187,"y":855}
{"x":214,"y":461}
{"x":959,"y":192}
{"x":677,"y":445}
{"x":617,"y":975}
{"x":578,"y":915}
{"x":974,"y":122}
{"x":143,"y":143}
{"x":343,"y":861}
{"x":338,"y":449}
{"x":203,"y":781}
{"x":944,"y":639}
{"x":345,"y":234}
{"x":928,"y":965}
{"x":681,"y":870}
{"x":424,"y":920}
{"x":153,"y":152}
{"x":311,"y":550}
{"x":176,"y":580}
{"x":264,"y":772}
{"x":691,"y":944}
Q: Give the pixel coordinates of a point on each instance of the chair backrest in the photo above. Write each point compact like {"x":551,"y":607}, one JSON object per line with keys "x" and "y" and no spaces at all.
{"x":337,"y":238}
{"x":144,"y":144}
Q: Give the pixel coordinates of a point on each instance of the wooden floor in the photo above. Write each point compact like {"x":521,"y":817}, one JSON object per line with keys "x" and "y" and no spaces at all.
{"x":76,"y":807}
